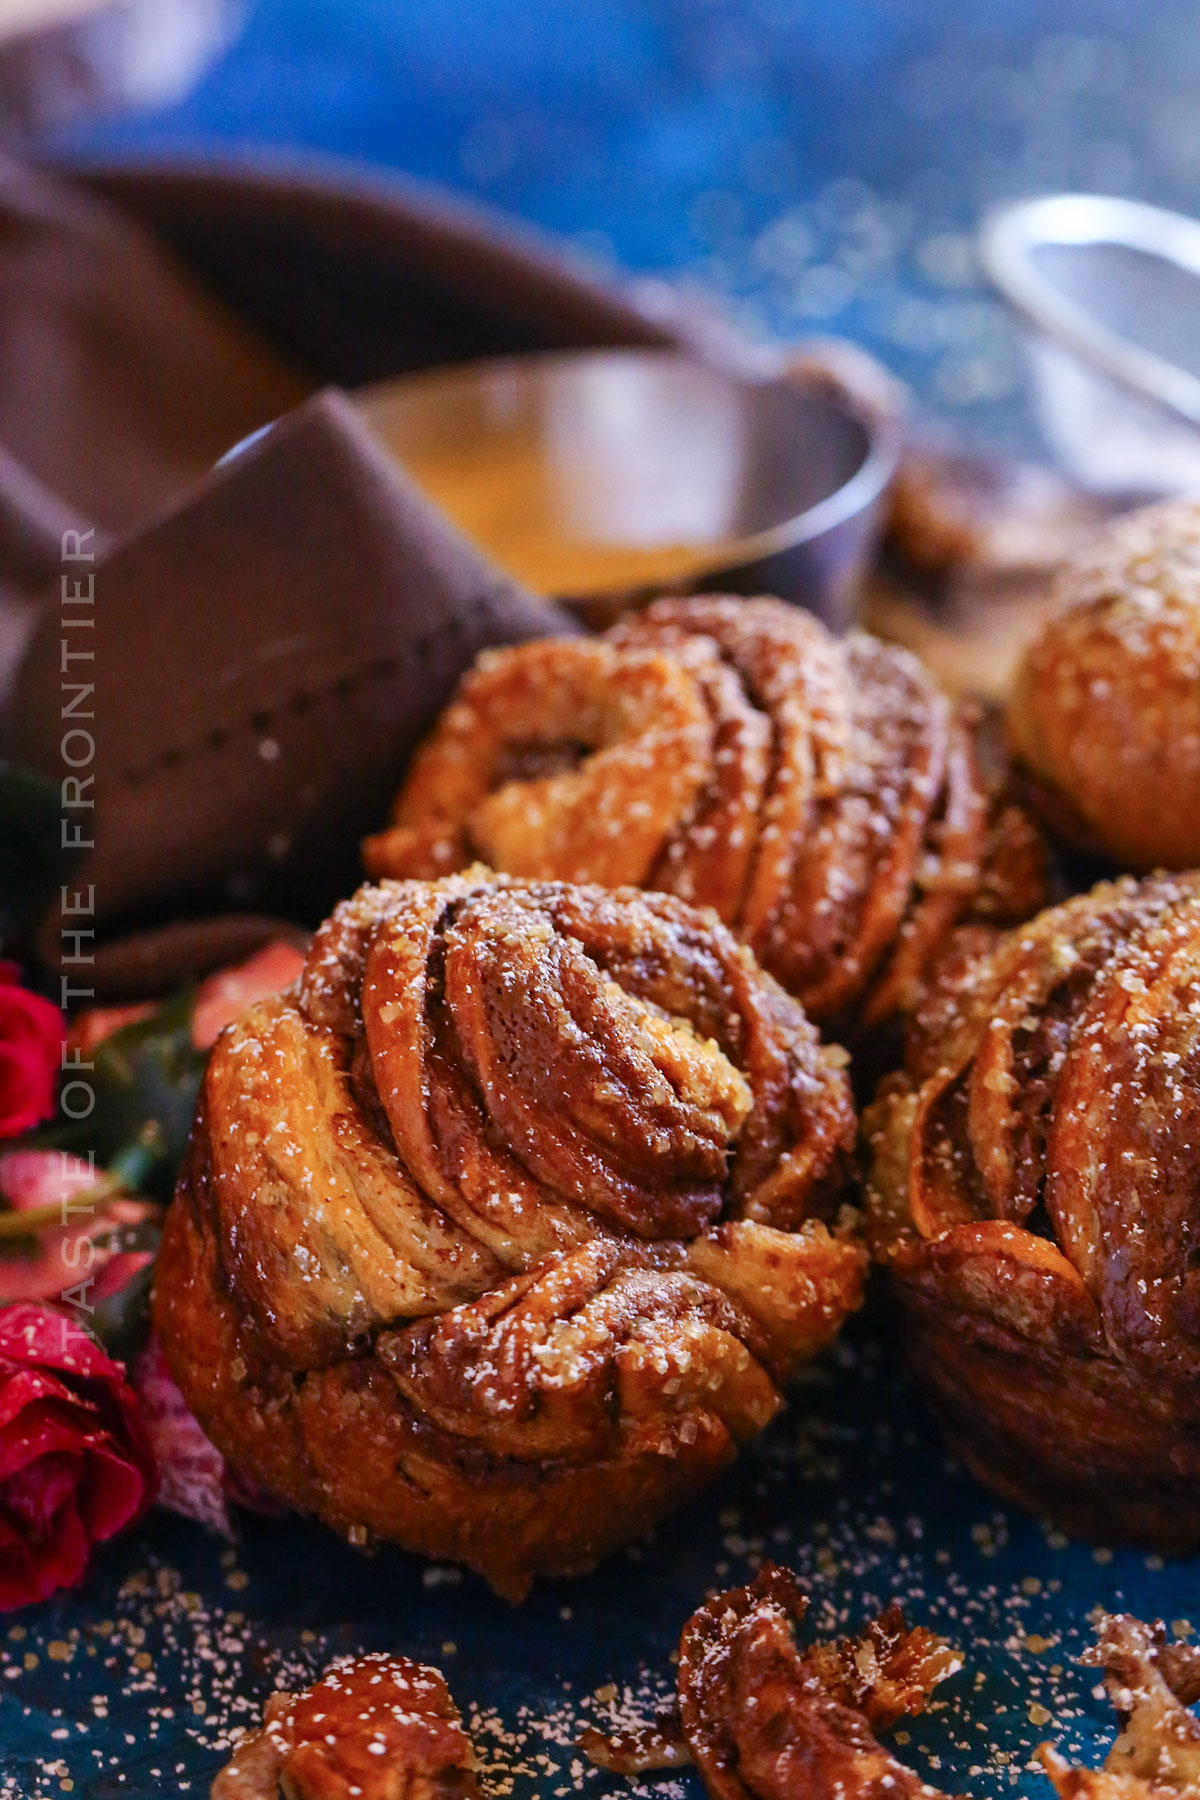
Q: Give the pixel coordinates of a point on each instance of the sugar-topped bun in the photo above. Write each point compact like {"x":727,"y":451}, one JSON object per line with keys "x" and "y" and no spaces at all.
{"x":1105,"y":712}
{"x":821,"y":795}
{"x":505,"y":1227}
{"x":1035,"y":1197}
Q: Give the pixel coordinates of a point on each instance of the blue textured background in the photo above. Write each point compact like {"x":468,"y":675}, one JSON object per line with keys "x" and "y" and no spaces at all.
{"x":132,"y":1686}
{"x":821,"y":166}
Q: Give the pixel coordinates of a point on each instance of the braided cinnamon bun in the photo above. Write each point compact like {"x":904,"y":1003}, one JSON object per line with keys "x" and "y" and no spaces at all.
{"x":764,"y":1717}
{"x":823,"y":797}
{"x":1036,"y":1198}
{"x":505,"y":1227}
{"x":1105,"y":712}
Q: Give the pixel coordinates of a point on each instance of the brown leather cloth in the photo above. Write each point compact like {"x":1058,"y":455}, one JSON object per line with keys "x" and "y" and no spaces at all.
{"x":266,"y":655}
{"x":121,"y":381}
{"x":271,"y":638}
{"x":151,"y":317}
{"x":353,"y":274}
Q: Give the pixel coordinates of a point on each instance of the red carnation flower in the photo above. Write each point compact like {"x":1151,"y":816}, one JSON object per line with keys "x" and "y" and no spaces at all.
{"x":31,"y":1039}
{"x":76,"y":1465}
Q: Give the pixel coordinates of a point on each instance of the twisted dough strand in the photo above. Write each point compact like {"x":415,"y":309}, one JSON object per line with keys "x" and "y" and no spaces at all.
{"x":504,"y":1228}
{"x":1036,"y":1194}
{"x":822,"y":797}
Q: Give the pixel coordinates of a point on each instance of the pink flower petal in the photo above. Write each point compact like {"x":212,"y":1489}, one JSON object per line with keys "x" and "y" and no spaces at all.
{"x":88,"y":1030}
{"x":30,"y":1178}
{"x":76,"y":1256}
{"x":116,"y":1273}
{"x":191,"y":1470}
{"x":225,"y":996}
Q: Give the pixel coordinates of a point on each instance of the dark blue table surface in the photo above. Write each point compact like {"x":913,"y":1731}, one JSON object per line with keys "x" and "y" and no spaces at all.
{"x":821,"y":166}
{"x":134,"y":1686}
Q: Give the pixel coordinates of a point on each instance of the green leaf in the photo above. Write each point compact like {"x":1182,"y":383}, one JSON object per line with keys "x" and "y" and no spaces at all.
{"x":33,"y":863}
{"x":145,"y":1080}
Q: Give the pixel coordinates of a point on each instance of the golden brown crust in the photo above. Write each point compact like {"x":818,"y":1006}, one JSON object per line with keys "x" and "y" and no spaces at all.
{"x":379,"y":1728}
{"x":959,"y":512}
{"x":764,"y":1719}
{"x":503,"y":1229}
{"x":1151,"y":1682}
{"x":508,"y":760}
{"x":1105,"y":710}
{"x":823,"y":797}
{"x":1036,"y":1197}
